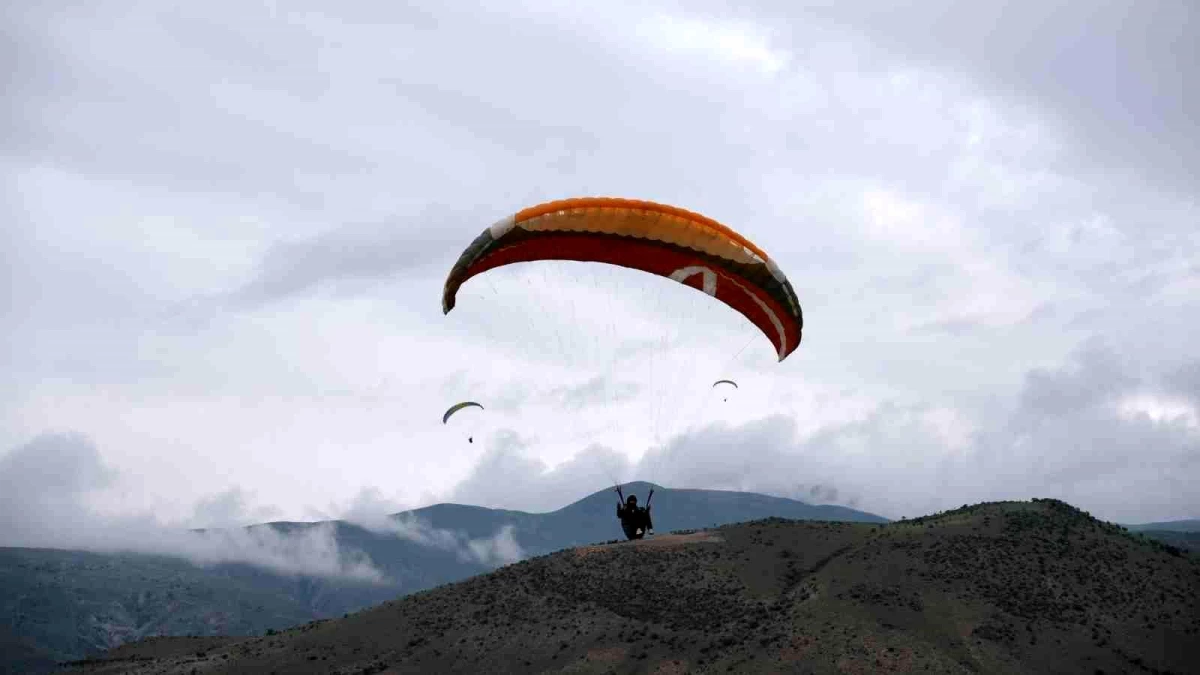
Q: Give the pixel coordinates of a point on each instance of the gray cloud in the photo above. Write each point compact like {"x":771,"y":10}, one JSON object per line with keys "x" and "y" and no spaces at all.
{"x":49,"y":495}
{"x":1072,"y":434}
{"x":1066,"y":435}
{"x":1185,"y":381}
{"x":499,"y":549}
{"x":47,"y":484}
{"x":760,"y":456}
{"x":1081,"y":428}
{"x":363,"y":254}
{"x":1096,"y":378}
{"x":507,"y":477}
{"x":1113,"y":74}
{"x":42,"y":482}
{"x":313,"y":551}
{"x":231,"y":508}
{"x":371,"y":510}
{"x":960,"y":196}
{"x":595,"y":391}
{"x":78,"y":113}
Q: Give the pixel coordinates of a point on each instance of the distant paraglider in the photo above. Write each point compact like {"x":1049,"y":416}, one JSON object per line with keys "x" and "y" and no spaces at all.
{"x":459,"y":406}
{"x":735,"y":386}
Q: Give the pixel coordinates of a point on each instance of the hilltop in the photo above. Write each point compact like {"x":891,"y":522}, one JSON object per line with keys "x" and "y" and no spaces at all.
{"x":593,"y":518}
{"x":1001,"y":587}
{"x":60,"y":605}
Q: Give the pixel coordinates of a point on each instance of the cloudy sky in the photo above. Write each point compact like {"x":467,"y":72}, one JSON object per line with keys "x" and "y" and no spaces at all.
{"x":226,"y":226}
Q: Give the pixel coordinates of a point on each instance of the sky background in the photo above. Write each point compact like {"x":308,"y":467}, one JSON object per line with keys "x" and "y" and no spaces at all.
{"x":225,"y":227}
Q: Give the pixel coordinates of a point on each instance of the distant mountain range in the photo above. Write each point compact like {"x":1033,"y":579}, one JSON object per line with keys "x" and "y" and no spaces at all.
{"x":1006,"y":587}
{"x":1169,"y":526}
{"x":58,"y":605}
{"x":1183,"y":534}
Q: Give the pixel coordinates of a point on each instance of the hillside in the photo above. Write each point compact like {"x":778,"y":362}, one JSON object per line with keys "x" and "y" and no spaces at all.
{"x":1007,"y":587}
{"x":68,"y":604}
{"x":21,"y":656}
{"x":59,"y":605}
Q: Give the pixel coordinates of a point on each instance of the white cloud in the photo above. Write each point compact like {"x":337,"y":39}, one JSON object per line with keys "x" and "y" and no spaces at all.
{"x":53,"y":497}
{"x":53,"y":493}
{"x":372,"y":511}
{"x":1160,"y":409}
{"x":1084,"y":432}
{"x":225,"y":262}
{"x":231,"y":508}
{"x":730,"y":41}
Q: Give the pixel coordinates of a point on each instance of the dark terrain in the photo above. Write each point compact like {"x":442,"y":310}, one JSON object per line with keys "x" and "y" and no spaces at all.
{"x":58,"y":605}
{"x":1014,"y":587}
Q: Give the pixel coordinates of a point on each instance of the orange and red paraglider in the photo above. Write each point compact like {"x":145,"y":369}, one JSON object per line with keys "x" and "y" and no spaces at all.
{"x":665,"y":240}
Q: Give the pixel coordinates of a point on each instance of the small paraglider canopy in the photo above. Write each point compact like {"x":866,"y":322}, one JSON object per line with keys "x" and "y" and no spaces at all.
{"x":735,"y":386}
{"x":459,"y":406}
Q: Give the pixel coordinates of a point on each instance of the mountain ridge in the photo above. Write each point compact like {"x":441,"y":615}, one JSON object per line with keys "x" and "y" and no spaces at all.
{"x":1000,"y":587}
{"x":71,"y":604}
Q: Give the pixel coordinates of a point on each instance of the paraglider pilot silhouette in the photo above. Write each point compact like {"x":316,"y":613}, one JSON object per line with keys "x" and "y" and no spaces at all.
{"x":635,"y":520}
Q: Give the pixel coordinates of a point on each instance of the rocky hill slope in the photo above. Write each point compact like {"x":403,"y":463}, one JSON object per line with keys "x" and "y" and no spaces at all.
{"x":58,"y":605}
{"x":1016,"y":587}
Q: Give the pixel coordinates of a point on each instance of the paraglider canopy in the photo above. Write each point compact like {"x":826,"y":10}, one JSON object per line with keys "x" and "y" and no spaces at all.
{"x":658,"y":243}
{"x":664,"y":240}
{"x":459,"y":406}
{"x":735,"y":386}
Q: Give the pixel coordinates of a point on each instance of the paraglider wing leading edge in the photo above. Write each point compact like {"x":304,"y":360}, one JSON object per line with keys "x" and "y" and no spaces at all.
{"x":459,"y":406}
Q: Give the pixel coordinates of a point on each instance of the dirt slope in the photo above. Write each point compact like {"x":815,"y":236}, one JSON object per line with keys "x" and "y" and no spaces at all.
{"x":1007,"y":588}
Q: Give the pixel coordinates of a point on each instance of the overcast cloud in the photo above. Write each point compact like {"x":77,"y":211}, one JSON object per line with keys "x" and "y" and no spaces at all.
{"x":225,"y":230}
{"x":55,"y":491}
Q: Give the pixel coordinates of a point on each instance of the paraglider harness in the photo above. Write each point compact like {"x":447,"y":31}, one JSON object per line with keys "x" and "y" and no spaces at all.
{"x":635,"y":520}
